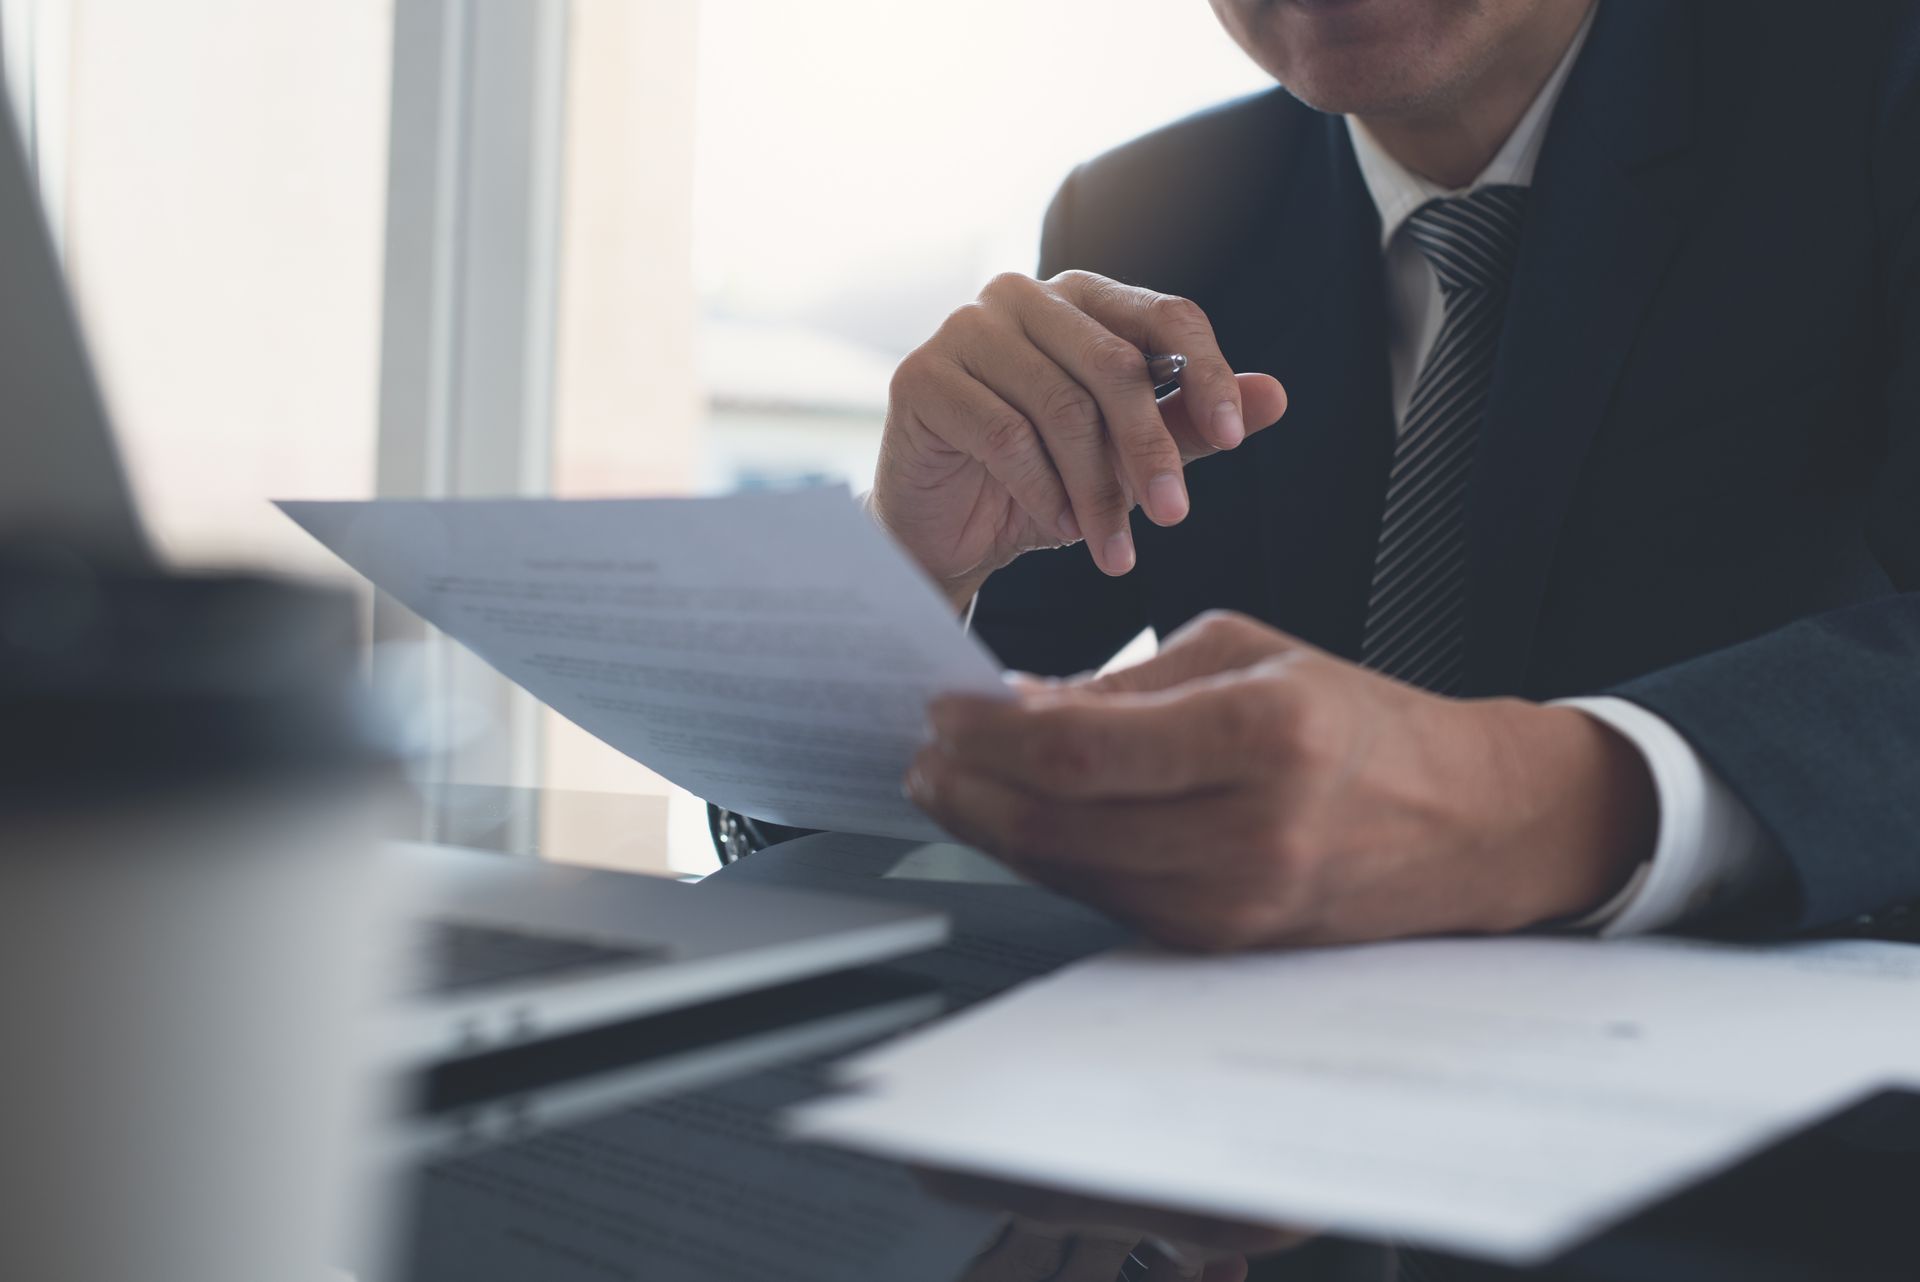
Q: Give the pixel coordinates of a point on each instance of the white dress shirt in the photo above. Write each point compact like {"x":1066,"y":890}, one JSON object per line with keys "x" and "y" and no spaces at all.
{"x":1709,"y":846}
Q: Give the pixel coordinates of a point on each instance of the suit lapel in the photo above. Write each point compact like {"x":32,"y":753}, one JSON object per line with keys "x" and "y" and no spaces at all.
{"x":1609,"y":205}
{"x":1319,"y":475}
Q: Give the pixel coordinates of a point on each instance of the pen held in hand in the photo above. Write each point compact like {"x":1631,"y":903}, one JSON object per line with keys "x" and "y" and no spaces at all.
{"x":1164,"y":370}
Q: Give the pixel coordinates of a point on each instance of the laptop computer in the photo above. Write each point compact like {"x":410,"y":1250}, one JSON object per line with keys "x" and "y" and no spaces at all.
{"x":507,"y":951}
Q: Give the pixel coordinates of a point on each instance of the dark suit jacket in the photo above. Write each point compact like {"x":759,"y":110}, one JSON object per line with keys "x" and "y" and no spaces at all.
{"x":1699,"y":482}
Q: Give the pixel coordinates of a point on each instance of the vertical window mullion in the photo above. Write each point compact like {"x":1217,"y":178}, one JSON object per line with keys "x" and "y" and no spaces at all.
{"x":468,"y":328}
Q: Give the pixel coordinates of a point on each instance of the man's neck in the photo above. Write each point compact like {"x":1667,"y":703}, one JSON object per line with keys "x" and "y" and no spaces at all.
{"x":1451,"y":145}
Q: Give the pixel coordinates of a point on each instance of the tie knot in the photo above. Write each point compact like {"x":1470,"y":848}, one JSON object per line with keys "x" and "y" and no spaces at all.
{"x":1470,"y":240}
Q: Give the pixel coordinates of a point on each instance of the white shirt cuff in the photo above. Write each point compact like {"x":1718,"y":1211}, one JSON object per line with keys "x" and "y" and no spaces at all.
{"x":1709,"y":848}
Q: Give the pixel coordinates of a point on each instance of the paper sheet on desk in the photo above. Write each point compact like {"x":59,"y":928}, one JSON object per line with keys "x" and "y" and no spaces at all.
{"x":771,"y":652}
{"x":1498,"y":1098}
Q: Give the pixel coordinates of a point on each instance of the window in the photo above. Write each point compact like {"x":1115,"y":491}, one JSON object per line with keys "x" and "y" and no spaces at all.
{"x":215,"y":170}
{"x":863,"y":167}
{"x":580,"y":247}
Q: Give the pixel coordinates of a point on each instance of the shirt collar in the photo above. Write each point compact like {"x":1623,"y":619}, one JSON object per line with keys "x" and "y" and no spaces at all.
{"x":1397,"y":191}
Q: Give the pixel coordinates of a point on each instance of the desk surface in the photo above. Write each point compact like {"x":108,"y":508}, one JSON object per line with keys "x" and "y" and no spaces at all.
{"x":616,"y":1176}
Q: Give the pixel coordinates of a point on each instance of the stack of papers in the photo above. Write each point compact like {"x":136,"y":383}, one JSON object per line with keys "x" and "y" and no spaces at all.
{"x":1497,"y":1098}
{"x":771,"y":652}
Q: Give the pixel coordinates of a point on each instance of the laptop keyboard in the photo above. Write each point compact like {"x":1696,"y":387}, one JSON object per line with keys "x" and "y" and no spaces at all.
{"x":457,"y":956}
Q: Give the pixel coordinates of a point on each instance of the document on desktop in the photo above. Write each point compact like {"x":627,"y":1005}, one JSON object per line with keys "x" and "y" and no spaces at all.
{"x":771,"y":652}
{"x":1499,"y":1098}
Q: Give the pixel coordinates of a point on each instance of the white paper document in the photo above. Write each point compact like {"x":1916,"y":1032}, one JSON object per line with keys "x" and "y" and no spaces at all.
{"x":1500,"y":1098}
{"x":771,"y":652}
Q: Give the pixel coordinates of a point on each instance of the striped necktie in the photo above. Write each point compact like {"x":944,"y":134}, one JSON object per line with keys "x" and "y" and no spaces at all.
{"x":1416,"y":615}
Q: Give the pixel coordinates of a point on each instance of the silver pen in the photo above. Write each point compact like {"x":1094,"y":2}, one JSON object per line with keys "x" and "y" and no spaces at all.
{"x":1165,"y":369}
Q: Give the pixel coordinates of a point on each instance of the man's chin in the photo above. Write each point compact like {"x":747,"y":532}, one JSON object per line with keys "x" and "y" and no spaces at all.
{"x":1360,"y":83}
{"x":1362,"y":57}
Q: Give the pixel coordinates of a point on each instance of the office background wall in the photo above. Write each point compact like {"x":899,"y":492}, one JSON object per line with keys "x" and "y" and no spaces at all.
{"x":731,"y":218}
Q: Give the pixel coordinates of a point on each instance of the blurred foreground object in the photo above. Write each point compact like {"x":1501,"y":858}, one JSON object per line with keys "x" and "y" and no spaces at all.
{"x":190,"y":906}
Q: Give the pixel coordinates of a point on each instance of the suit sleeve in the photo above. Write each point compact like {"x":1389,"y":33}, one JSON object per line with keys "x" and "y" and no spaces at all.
{"x":1816,"y":727}
{"x":1053,"y":612}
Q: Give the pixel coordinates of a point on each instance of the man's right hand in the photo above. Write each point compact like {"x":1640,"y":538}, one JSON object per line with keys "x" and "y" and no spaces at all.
{"x":1029,"y":421}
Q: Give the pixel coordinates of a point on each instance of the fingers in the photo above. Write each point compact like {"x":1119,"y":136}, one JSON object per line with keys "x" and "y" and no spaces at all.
{"x":1061,"y":409}
{"x":1180,"y":909}
{"x":1076,"y":415}
{"x":1261,"y":395}
{"x":1215,"y":642}
{"x":1106,"y":424}
{"x":960,"y":407}
{"x":1036,"y":835}
{"x":1166,"y":323}
{"x":1071,"y":745}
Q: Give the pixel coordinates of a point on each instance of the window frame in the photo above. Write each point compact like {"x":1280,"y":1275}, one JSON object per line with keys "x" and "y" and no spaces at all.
{"x":470,"y":299}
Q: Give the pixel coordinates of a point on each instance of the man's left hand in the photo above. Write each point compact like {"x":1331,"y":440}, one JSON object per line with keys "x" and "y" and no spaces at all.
{"x":1244,"y":789}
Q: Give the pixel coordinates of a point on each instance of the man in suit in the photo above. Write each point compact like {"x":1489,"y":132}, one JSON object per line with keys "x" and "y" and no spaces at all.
{"x":1535,"y":532}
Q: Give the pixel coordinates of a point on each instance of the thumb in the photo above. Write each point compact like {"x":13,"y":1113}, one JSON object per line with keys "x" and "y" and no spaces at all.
{"x":1262,"y":402}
